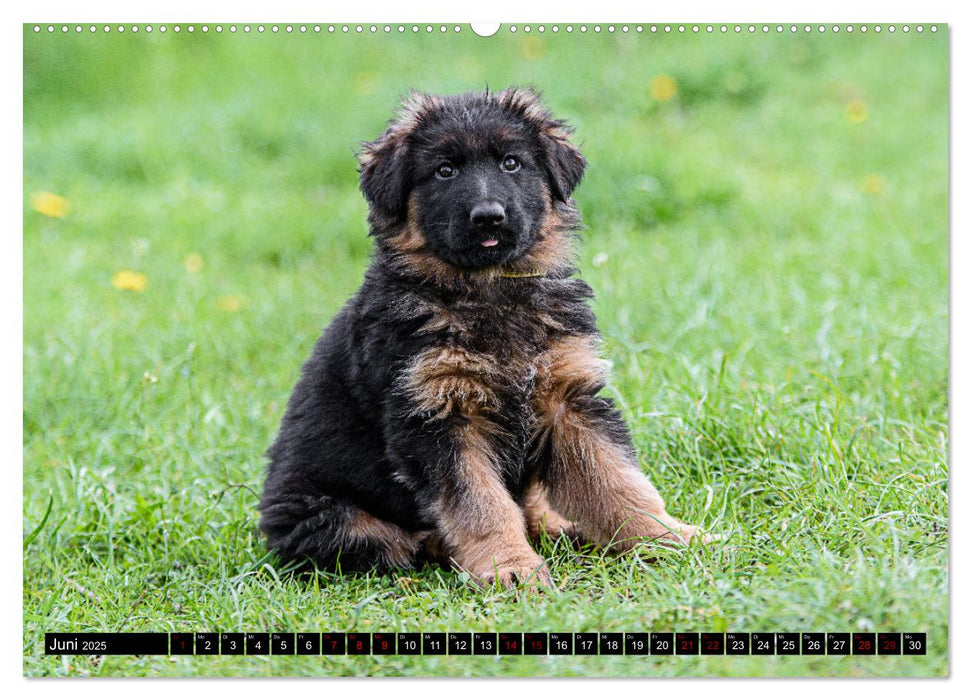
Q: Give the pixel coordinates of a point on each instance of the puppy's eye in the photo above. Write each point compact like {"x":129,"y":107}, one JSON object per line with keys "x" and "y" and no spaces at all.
{"x":511,"y":164}
{"x":446,"y":171}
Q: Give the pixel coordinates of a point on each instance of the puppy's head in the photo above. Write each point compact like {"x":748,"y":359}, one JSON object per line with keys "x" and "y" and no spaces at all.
{"x":474,"y":176}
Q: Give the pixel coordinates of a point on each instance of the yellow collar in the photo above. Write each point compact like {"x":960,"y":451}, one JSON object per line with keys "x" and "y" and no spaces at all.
{"x":519,"y":275}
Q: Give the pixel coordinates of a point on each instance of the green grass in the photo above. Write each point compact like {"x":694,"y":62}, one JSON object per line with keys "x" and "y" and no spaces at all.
{"x":772,"y":285}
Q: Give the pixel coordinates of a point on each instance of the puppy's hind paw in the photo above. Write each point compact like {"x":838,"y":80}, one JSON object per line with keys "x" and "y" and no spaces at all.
{"x":530,"y":575}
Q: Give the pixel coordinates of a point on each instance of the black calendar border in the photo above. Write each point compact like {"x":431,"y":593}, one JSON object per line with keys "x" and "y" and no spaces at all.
{"x":471,"y":644}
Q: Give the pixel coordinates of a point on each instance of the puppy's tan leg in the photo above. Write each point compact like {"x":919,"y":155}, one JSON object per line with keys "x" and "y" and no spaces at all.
{"x":392,"y":546}
{"x":592,"y":476}
{"x":482,"y":527}
{"x":542,"y":519}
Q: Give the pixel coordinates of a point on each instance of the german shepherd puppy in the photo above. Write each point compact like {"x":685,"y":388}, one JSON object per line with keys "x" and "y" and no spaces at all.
{"x":452,"y":409}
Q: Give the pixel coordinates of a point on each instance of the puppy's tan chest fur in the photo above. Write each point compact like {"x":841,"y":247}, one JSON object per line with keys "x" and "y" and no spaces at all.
{"x":484,"y":354}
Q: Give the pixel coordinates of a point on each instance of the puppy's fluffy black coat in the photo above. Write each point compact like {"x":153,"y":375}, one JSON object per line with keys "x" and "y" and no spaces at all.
{"x":451,"y":409}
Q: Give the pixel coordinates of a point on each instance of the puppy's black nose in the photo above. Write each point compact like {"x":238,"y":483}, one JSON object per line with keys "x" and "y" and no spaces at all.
{"x":488,"y":214}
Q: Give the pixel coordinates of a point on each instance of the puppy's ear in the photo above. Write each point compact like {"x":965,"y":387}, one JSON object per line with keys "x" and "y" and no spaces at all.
{"x":384,"y":175}
{"x":385,"y":171}
{"x":564,"y":162}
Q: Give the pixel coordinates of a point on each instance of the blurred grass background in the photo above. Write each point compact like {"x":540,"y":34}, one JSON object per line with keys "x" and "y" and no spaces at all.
{"x":767,"y":235}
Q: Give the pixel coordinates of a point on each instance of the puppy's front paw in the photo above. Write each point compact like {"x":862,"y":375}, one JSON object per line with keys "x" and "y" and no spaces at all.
{"x":661,"y":530}
{"x":530,"y":573}
{"x":690,"y":533}
{"x":687,"y":533}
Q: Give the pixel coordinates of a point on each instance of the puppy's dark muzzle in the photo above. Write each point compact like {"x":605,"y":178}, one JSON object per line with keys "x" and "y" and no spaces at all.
{"x":488,"y":214}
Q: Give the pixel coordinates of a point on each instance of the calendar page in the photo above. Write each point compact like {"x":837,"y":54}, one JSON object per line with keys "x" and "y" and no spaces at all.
{"x":547,"y":349}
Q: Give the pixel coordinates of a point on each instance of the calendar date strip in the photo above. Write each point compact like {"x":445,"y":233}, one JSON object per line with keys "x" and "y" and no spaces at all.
{"x":488,"y":643}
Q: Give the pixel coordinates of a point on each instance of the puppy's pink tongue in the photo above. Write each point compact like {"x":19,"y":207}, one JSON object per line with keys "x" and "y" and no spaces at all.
{"x":489,"y":242}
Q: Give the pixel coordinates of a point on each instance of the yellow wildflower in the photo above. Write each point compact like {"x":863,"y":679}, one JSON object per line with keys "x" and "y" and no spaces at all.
{"x":364,"y":83}
{"x":470,"y":69}
{"x":663,"y":88}
{"x":231,"y":303}
{"x":129,"y":281}
{"x":533,"y":47}
{"x":856,"y":111}
{"x":193,"y":263}
{"x":873,"y":184}
{"x":50,"y":204}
